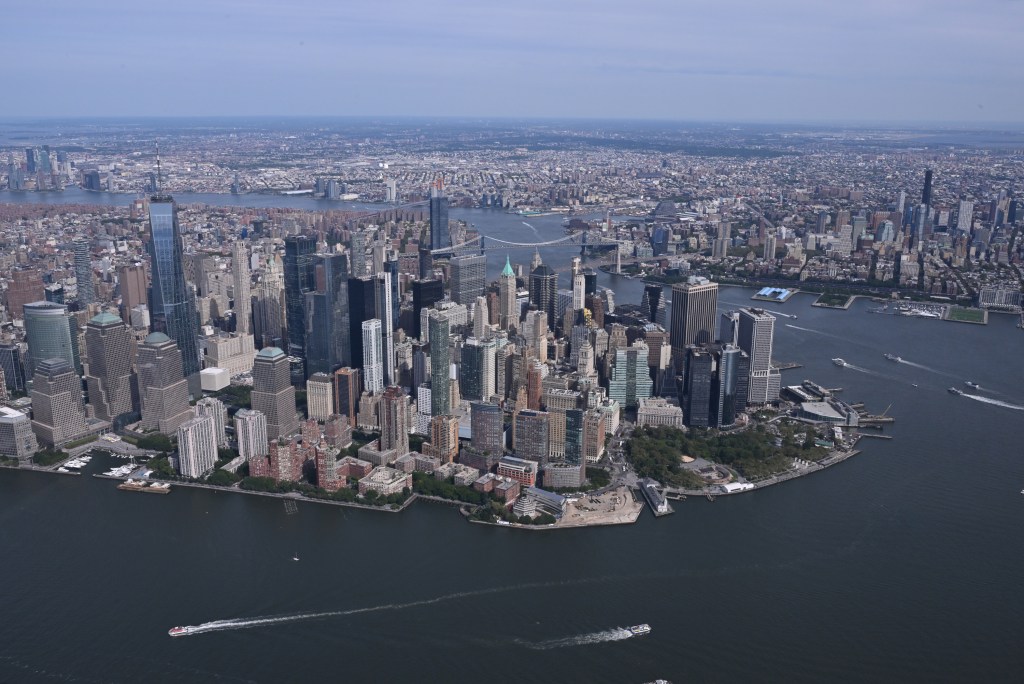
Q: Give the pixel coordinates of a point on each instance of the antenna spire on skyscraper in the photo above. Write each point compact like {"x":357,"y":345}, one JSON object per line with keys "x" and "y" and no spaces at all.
{"x":159,"y":179}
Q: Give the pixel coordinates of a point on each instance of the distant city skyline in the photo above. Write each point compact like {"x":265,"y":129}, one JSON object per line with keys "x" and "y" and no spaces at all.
{"x":737,"y":61}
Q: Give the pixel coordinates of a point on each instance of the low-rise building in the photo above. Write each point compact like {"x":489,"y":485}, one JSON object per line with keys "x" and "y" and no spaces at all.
{"x":521,"y":470}
{"x":385,"y":481}
{"x":657,"y":411}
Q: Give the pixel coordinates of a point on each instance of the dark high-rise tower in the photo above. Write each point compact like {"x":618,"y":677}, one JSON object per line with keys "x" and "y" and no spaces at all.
{"x":440,"y":236}
{"x":327,"y":316}
{"x":298,"y":280}
{"x":926,"y":196}
{"x":544,"y":291}
{"x":694,"y":308}
{"x":173,"y":306}
{"x":425,"y":293}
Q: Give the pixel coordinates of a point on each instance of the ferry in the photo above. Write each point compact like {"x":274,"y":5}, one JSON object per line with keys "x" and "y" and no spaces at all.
{"x":954,"y":390}
{"x":839,"y":362}
{"x":973,"y":385}
{"x":182,"y":631}
{"x":893,"y":357}
{"x":640,"y":630}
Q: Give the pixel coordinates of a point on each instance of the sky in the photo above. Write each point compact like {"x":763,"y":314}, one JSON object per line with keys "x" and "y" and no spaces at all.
{"x":698,"y":60}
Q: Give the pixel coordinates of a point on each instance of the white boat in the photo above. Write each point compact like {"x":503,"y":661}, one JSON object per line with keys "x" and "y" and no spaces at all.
{"x":640,"y":630}
{"x":839,"y":362}
{"x":182,"y":631}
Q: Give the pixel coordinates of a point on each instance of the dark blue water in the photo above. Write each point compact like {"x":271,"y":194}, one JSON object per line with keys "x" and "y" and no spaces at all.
{"x":901,"y":564}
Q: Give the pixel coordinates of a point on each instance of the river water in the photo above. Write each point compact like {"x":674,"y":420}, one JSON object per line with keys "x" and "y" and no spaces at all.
{"x":900,"y":564}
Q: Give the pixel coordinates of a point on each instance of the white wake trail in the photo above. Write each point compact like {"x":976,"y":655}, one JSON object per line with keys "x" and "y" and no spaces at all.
{"x":261,"y":620}
{"x":994,"y":402}
{"x":617,"y":634}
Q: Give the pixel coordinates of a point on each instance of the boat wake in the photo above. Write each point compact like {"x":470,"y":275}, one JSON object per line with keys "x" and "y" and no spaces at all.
{"x":926,"y":368}
{"x":816,"y":332}
{"x":617,"y":634}
{"x":994,"y":402}
{"x":264,"y":620}
{"x":532,"y":228}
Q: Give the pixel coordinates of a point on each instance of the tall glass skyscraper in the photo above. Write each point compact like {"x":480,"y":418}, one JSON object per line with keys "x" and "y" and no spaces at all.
{"x":48,"y":333}
{"x":440,"y":365}
{"x":327,"y":316}
{"x":298,"y":280}
{"x":469,"y":278}
{"x":83,"y":272}
{"x":173,"y":305}
{"x":440,"y":236}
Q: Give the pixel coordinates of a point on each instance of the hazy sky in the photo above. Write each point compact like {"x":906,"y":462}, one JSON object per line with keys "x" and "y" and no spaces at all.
{"x":739,"y":60}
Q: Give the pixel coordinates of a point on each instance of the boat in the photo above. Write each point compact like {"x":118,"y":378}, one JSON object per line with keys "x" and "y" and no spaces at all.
{"x":893,"y":357}
{"x":954,"y":390}
{"x":972,"y":384}
{"x":640,"y":630}
{"x":839,"y":362}
{"x":182,"y":631}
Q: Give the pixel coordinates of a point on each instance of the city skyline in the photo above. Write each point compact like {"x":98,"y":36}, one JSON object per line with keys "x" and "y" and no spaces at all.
{"x":791,"y":61}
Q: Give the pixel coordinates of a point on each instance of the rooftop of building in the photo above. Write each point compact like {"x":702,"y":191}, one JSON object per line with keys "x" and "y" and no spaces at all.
{"x":270,"y":353}
{"x":157,"y":338}
{"x":105,"y":318}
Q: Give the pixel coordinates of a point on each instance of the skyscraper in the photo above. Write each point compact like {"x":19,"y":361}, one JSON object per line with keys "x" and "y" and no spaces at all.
{"x":694,"y":308}
{"x":17,"y":440}
{"x":320,"y":396}
{"x":298,"y":280}
{"x":394,"y":421}
{"x":215,"y":409}
{"x":729,"y":385}
{"x":440,"y":363}
{"x":327,"y":316}
{"x":58,"y":412}
{"x":26,"y":285}
{"x":425,"y":293}
{"x":251,"y":433}
{"x":440,"y":235}
{"x":12,"y":366}
{"x":444,"y":438}
{"x":173,"y":306}
{"x":530,"y":431}
{"x":373,"y":358}
{"x":574,"y":436}
{"x":83,"y":272}
{"x":383,"y":294}
{"x":699,"y":376}
{"x":631,"y":379}
{"x":508,"y":311}
{"x":163,"y":390}
{"x":346,"y":393}
{"x":544,"y":291}
{"x":756,"y":330}
{"x":242,"y":288}
{"x":273,"y":394}
{"x":476,"y":375}
{"x":131,"y":282}
{"x":362,"y":306}
{"x":109,"y":379}
{"x":488,"y":430}
{"x":197,"y":446}
{"x":469,"y":277}
{"x":48,"y":333}
{"x":926,"y":195}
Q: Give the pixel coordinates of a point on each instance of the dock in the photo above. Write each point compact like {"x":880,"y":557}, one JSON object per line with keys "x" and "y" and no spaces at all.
{"x":659,"y":504}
